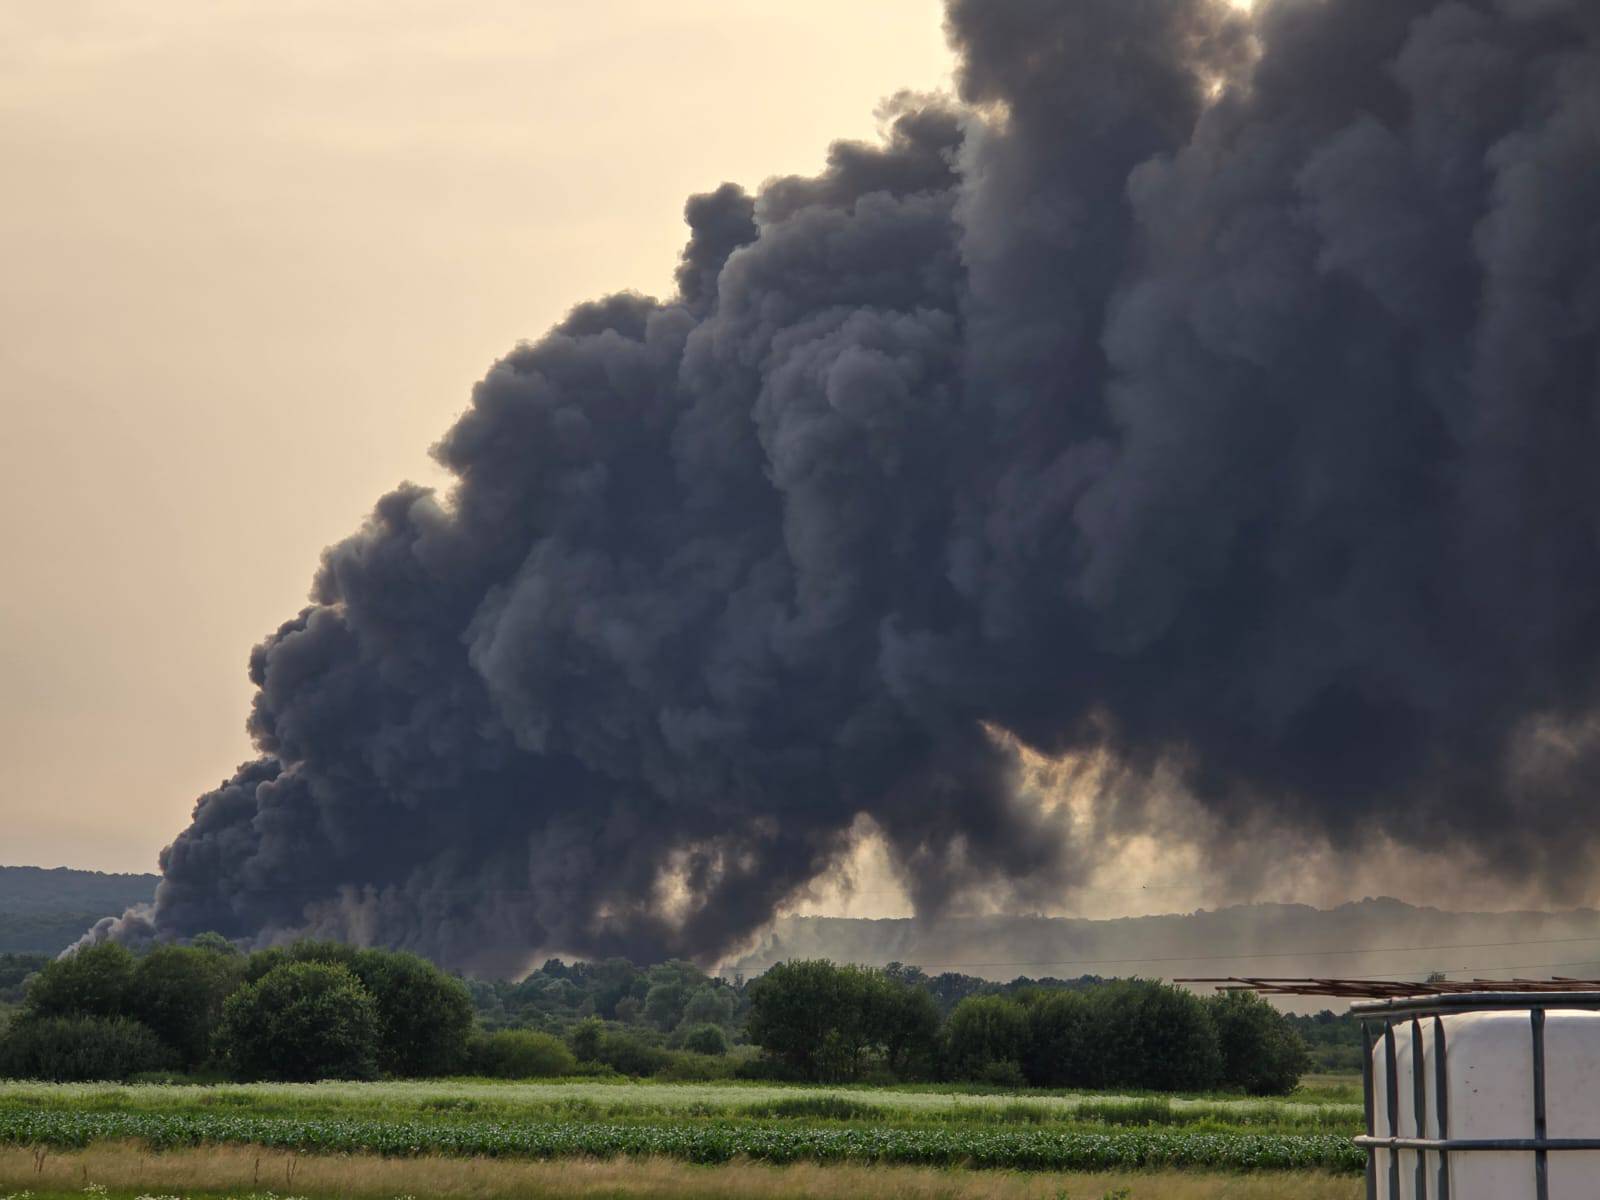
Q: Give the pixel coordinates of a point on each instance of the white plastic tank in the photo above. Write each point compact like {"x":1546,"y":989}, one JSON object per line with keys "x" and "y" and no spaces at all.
{"x":1485,"y":1065}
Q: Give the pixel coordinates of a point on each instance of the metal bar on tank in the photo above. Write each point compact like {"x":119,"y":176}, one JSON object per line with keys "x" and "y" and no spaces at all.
{"x":1441,"y":1105}
{"x":1367,"y":1103}
{"x":1394,"y":1107}
{"x":1469,"y":1145}
{"x":1541,"y":1157}
{"x":1474,"y":1002}
{"x":1419,"y":1101}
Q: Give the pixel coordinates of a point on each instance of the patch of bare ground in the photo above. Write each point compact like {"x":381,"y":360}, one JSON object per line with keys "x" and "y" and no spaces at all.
{"x":131,"y":1169}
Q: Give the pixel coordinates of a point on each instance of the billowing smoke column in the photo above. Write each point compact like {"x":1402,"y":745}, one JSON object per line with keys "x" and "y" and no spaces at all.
{"x":1216,"y":395}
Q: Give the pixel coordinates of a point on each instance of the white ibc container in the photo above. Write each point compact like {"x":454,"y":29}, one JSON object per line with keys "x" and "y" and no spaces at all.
{"x":1491,"y":1084}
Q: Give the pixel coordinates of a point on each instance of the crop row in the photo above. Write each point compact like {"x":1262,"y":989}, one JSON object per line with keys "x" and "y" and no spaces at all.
{"x":701,"y":1143}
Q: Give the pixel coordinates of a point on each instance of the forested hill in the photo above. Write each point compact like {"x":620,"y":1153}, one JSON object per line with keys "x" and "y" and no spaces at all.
{"x":36,"y":889}
{"x":1370,"y":937}
{"x":46,"y":910}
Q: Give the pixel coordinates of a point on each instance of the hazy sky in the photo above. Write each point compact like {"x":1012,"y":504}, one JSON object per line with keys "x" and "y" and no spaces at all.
{"x":256,"y":253}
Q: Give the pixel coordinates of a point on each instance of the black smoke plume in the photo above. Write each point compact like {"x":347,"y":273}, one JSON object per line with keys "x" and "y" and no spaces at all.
{"x":1214,"y":395}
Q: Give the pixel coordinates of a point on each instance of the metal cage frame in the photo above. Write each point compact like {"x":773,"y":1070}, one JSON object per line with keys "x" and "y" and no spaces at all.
{"x":1378,"y":1020}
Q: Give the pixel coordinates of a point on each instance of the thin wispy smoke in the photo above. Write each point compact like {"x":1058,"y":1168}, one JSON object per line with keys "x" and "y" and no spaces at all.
{"x":1216,"y":395}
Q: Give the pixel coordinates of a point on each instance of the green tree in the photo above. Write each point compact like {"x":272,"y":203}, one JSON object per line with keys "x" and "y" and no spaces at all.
{"x":986,"y":1038}
{"x":709,"y":1005}
{"x":706,"y":1039}
{"x":90,"y":982}
{"x":178,"y":992}
{"x":263,"y":962}
{"x":215,"y":943}
{"x":301,"y":1021}
{"x":663,"y":1004}
{"x":1153,"y":1036}
{"x":671,"y":985}
{"x":904,"y":1023}
{"x":424,"y":1015}
{"x":1261,"y":1053}
{"x":586,"y":1038}
{"x":1059,"y":1036}
{"x":811,"y":1017}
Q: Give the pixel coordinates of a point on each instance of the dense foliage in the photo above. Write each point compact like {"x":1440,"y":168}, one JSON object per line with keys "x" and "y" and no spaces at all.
{"x":15,"y":969}
{"x":303,"y":1012}
{"x":519,"y":1054}
{"x":178,"y":994}
{"x":301,"y":1020}
{"x":1261,"y":1053}
{"x":42,"y":912}
{"x":424,"y":1015}
{"x":1334,"y":1040}
{"x":67,"y":1049}
{"x":363,"y":1013}
{"x":824,"y":1022}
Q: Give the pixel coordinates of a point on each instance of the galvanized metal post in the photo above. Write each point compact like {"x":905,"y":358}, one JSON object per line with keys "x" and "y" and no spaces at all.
{"x":1441,"y":1105}
{"x":1541,"y":1157}
{"x":1394,"y":1107}
{"x":1370,"y":1105}
{"x":1419,"y":1104}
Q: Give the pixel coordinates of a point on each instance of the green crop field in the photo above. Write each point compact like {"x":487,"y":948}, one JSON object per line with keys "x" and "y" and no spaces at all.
{"x":1324,"y":1107}
{"x":956,"y":1132}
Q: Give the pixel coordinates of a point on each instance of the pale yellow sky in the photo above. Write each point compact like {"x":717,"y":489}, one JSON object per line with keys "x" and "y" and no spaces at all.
{"x":255,"y":252}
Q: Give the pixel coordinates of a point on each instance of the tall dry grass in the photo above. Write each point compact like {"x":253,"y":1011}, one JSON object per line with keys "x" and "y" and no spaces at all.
{"x":131,"y":1169}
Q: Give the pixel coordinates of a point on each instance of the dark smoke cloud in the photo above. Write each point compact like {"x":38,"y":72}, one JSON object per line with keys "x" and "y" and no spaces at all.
{"x":1217,"y":395}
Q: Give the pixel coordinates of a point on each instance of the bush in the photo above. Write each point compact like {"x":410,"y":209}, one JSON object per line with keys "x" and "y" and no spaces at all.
{"x":77,"y":1049}
{"x":301,"y":1021}
{"x":629,"y":1054}
{"x":520,"y":1054}
{"x":986,"y":1038}
{"x":706,"y":1039}
{"x":91,"y":982}
{"x":586,"y":1038}
{"x":1261,"y":1054}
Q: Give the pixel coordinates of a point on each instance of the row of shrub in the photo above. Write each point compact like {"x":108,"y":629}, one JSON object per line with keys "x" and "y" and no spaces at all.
{"x":313,"y":1010}
{"x":324,"y":1010}
{"x":818,"y":1021}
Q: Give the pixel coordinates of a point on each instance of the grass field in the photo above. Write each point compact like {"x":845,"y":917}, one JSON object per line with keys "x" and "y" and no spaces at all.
{"x":483,"y":1138}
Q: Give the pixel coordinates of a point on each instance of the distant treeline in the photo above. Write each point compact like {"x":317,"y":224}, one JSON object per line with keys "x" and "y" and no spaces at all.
{"x":820,"y":1021}
{"x":45,"y":911}
{"x":44,"y":932}
{"x":324,"y":1010}
{"x":57,"y":890}
{"x":1333,"y":1039}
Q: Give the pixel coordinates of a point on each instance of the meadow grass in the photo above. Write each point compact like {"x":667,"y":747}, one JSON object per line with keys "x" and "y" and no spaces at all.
{"x":125,"y":1172}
